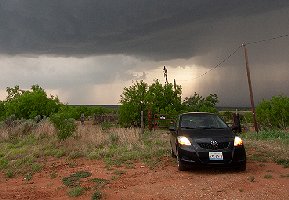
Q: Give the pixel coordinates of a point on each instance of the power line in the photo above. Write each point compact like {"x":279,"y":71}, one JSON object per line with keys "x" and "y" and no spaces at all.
{"x":220,"y":63}
{"x":266,"y":40}
{"x":237,"y":49}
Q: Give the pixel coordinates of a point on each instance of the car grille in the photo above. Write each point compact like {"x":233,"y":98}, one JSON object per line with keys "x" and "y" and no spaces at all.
{"x":221,"y":145}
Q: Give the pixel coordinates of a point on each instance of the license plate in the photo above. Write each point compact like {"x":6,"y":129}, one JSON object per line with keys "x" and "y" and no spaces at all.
{"x":215,"y":155}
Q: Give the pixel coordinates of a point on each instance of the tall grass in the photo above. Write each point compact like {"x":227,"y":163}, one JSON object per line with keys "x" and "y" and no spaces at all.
{"x":21,"y":152}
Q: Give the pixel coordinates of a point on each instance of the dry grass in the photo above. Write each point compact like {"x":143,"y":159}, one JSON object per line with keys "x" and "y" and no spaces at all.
{"x":25,"y":127}
{"x":96,"y":135}
{"x":89,"y":137}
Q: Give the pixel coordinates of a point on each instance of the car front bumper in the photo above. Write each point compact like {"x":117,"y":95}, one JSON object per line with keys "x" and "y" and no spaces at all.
{"x":235,"y":156}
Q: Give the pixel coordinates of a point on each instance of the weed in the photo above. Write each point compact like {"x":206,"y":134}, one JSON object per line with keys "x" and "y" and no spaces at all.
{"x":118,"y":172}
{"x":53,"y":175}
{"x":81,"y":174}
{"x":268,"y":176}
{"x":58,"y":153}
{"x":28,"y":176}
{"x":96,"y":195}
{"x":72,"y":164}
{"x":100,"y":182}
{"x":129,"y":164}
{"x":70,"y":181}
{"x":75,"y":154}
{"x":284,"y":176}
{"x":74,"y":179}
{"x":36,"y":167}
{"x":284,"y":162}
{"x":76,"y":191}
{"x":9,"y":174}
{"x":251,"y":178}
{"x":106,"y":126}
{"x":3,"y":163}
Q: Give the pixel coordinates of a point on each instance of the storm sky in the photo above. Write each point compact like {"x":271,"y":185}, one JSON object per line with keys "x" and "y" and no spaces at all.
{"x":87,"y":51}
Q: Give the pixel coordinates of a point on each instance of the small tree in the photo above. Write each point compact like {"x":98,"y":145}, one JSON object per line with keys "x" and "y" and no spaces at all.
{"x":28,"y":104}
{"x":197,"y":103}
{"x":274,"y":113}
{"x":133,"y":100}
{"x":143,"y":97}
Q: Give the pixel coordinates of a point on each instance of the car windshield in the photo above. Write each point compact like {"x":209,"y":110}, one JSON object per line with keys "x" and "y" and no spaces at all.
{"x":202,"y":120}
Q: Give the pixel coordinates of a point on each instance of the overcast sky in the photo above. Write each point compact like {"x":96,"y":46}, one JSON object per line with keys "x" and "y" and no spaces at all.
{"x":87,"y":51}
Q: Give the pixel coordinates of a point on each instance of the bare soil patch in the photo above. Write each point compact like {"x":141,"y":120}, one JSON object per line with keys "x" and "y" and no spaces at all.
{"x":260,"y":181}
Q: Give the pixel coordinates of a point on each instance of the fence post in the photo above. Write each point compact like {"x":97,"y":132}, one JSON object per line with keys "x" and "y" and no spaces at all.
{"x":142,"y":122}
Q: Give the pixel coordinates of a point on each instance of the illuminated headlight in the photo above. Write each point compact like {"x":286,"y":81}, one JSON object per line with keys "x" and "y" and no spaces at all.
{"x":238,"y":141}
{"x":183,"y":140}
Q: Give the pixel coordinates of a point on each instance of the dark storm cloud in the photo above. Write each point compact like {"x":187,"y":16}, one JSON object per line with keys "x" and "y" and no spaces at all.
{"x":163,"y":29}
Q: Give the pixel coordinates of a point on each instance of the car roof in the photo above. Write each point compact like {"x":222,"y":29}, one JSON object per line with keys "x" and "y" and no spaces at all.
{"x":187,"y":113}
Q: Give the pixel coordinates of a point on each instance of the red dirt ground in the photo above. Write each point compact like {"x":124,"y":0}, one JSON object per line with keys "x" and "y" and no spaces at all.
{"x":164,"y":182}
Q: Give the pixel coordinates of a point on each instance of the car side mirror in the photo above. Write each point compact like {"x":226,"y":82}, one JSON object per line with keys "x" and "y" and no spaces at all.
{"x":172,"y":128}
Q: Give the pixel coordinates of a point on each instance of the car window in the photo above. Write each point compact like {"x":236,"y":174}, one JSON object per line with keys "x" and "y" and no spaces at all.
{"x":201,"y":121}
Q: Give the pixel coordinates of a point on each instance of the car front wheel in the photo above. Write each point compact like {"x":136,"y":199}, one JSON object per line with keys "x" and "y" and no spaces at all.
{"x":181,"y":164}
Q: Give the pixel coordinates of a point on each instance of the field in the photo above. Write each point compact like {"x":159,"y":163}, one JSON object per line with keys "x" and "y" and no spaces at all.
{"x":105,"y":162}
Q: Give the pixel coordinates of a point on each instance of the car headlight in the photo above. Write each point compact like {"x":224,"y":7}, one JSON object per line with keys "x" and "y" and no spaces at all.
{"x":238,"y":141}
{"x":183,"y":140}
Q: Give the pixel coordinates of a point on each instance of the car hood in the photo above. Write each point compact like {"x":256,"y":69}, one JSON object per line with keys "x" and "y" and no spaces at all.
{"x":209,"y":134}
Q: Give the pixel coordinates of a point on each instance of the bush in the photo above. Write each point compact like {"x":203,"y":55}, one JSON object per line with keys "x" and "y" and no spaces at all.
{"x":65,"y":127}
{"x":274,"y":113}
{"x":28,"y":104}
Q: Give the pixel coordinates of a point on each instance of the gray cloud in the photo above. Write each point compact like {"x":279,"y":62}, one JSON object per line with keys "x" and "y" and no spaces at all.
{"x":153,"y":29}
{"x":95,"y":42}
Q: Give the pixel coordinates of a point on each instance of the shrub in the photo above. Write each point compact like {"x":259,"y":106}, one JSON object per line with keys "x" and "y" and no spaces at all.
{"x":274,"y":113}
{"x":65,"y":127}
{"x":28,"y":104}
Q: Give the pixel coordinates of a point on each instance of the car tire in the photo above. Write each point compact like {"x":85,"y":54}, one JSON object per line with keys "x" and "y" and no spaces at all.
{"x":242,"y":167}
{"x":181,"y":165}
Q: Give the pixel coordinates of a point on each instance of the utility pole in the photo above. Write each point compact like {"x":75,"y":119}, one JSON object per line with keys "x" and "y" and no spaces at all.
{"x":166,"y":74}
{"x":250,"y":88}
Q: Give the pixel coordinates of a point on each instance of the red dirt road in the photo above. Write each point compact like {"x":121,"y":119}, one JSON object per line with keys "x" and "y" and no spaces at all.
{"x":260,"y":181}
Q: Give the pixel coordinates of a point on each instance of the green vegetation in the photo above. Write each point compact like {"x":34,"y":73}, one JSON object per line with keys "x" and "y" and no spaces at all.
{"x":268,"y":146}
{"x":268,"y":176}
{"x":76,"y":191}
{"x":74,"y":179}
{"x":159,"y":99}
{"x":29,"y":104}
{"x":273,"y":114}
{"x":34,"y":104}
{"x":96,"y":195}
{"x":197,"y":103}
{"x":25,"y":139}
{"x":65,"y":127}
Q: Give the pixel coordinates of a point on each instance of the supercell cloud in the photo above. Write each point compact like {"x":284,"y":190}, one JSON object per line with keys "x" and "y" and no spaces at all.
{"x":111,"y":40}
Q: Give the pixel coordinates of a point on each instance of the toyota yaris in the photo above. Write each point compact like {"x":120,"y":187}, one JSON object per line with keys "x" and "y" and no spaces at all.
{"x":200,"y":138}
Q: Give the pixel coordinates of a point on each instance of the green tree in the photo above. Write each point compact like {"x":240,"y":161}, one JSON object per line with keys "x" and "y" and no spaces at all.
{"x":2,"y":110}
{"x":273,"y":113}
{"x":133,"y":100}
{"x":197,"y":103}
{"x":164,"y":99}
{"x":28,"y":104}
{"x":157,"y":98}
